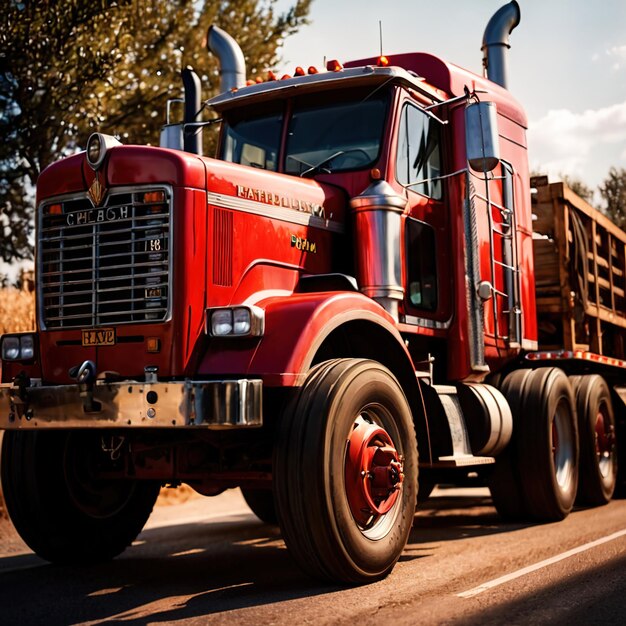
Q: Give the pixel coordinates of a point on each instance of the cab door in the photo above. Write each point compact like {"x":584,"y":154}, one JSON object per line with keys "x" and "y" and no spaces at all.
{"x":427,"y":234}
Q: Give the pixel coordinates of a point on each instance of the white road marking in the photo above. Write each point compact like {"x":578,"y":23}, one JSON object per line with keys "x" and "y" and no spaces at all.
{"x":532,"y":568}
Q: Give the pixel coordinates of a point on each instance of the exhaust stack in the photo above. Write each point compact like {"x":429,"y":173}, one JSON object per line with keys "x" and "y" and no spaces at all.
{"x":232,"y":63}
{"x":496,"y":42}
{"x":192,"y":134}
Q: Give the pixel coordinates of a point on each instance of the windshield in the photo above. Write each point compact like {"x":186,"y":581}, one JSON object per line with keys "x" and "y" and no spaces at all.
{"x":327,"y":132}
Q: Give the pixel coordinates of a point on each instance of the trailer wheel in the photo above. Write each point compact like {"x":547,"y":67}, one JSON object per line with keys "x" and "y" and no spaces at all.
{"x":345,"y":472}
{"x":547,"y":450}
{"x":261,"y":503}
{"x":57,"y":504}
{"x":504,"y":481}
{"x":597,"y":474}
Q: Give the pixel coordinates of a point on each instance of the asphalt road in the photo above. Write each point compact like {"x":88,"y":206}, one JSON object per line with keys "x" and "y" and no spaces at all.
{"x":210,"y":561}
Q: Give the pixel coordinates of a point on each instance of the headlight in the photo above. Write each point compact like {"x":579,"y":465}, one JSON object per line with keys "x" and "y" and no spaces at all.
{"x":240,"y":321}
{"x":97,"y":146}
{"x":222,"y":322}
{"x":18,"y":347}
{"x":11,"y":348}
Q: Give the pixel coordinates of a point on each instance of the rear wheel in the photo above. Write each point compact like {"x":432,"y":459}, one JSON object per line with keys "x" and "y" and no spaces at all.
{"x":598,"y":447}
{"x":345,"y":472}
{"x":548,"y":445}
{"x":60,"y":507}
{"x":541,"y":462}
{"x":504,"y":481}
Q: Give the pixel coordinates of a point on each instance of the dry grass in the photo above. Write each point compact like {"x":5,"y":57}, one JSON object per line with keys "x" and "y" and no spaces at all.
{"x":17,"y":310}
{"x":17,"y":314}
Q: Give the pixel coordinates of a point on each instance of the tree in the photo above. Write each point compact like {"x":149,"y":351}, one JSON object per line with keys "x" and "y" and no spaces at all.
{"x":70,"y":67}
{"x":613,"y":191}
{"x":578,"y":187}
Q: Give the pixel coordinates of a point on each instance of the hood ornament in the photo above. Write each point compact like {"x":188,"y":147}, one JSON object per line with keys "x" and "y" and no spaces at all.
{"x":96,"y":191}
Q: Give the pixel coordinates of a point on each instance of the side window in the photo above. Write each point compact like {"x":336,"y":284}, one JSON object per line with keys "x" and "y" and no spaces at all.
{"x":419,"y":156}
{"x":422,"y":266}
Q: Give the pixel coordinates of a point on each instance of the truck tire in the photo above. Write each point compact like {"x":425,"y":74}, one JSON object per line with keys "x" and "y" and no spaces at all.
{"x":345,"y":472}
{"x":547,"y":446}
{"x":504,"y":481}
{"x":261,"y":503}
{"x":59,"y":508}
{"x":597,"y":474}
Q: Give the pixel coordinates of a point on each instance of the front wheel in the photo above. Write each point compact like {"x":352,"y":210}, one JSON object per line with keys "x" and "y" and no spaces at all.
{"x":261,"y":503}
{"x":60,"y":505}
{"x":345,"y":472}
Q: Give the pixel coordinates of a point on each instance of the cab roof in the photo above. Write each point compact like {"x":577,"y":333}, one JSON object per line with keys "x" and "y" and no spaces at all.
{"x":368,"y":74}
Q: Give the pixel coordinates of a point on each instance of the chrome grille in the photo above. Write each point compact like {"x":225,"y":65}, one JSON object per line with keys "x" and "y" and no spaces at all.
{"x":108,"y":265}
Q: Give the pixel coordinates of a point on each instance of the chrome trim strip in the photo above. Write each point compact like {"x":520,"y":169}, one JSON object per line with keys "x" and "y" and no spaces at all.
{"x":425,"y":322}
{"x":275,"y":212}
{"x":217,"y":404}
{"x":528,"y":344}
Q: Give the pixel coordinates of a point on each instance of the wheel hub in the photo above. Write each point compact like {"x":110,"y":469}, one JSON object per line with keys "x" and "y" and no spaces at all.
{"x":374,"y":472}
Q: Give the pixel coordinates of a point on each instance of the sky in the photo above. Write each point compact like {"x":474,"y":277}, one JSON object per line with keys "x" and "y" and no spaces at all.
{"x":567,"y":64}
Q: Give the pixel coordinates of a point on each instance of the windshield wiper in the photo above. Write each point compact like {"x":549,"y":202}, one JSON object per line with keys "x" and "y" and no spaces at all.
{"x":315,"y":169}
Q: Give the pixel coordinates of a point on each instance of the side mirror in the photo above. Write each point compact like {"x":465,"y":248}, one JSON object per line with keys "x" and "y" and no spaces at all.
{"x":481,"y":136}
{"x":172,"y":133}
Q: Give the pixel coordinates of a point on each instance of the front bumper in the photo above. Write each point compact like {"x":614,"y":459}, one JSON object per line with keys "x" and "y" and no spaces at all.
{"x":221,"y":404}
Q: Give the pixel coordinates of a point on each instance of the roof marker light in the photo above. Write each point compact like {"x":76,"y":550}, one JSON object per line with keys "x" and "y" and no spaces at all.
{"x":383,"y":61}
{"x":334,"y":66}
{"x":313,"y":70}
{"x":285,"y":77}
{"x":271,"y":76}
{"x":299,"y":71}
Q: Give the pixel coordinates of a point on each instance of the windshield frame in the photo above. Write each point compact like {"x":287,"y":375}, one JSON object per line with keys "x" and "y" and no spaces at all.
{"x":352,"y":155}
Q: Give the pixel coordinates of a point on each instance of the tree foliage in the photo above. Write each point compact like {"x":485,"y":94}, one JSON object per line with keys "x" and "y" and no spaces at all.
{"x":613,"y":191}
{"x":70,"y":67}
{"x":578,"y":187}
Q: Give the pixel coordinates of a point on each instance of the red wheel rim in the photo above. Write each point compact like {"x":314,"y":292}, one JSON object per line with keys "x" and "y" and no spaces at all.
{"x":373,"y":472}
{"x":605,"y":439}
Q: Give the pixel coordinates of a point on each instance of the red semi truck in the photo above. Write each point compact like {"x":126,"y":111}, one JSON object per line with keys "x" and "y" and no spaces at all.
{"x":345,"y":294}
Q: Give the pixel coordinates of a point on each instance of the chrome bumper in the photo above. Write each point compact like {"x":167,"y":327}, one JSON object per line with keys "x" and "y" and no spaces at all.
{"x":221,"y":404}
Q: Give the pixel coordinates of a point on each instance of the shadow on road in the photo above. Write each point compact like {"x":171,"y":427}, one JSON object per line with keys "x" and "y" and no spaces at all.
{"x":203,"y":569}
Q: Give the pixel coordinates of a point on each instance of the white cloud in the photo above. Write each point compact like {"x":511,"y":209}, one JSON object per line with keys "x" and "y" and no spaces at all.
{"x":617,"y":51}
{"x":617,"y":54}
{"x":582,"y":144}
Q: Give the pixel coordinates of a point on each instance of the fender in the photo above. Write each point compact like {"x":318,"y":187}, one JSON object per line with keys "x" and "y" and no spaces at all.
{"x":295,"y":327}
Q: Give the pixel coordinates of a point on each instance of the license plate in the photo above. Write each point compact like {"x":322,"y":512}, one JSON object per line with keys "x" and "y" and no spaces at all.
{"x":99,"y":337}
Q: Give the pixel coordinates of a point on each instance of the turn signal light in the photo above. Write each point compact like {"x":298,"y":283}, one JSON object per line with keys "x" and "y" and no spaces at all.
{"x":55,"y":209}
{"x":153,"y":196}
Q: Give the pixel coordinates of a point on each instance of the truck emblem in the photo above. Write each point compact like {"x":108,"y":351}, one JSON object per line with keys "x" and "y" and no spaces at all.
{"x":96,"y":191}
{"x":274,"y":199}
{"x":301,"y":243}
